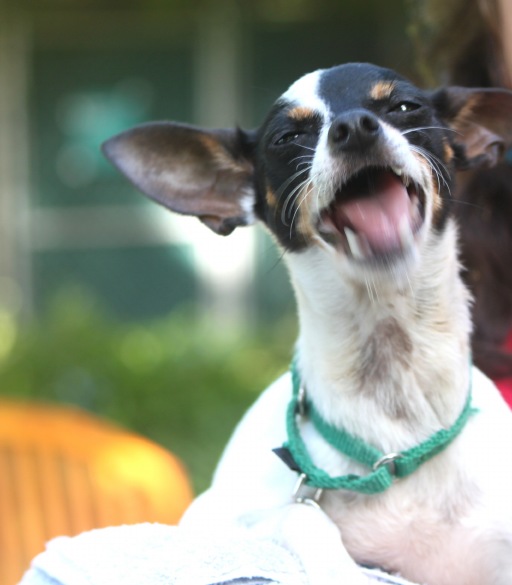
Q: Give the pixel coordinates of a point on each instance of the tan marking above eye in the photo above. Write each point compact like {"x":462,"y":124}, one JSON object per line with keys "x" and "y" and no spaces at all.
{"x":382,"y":90}
{"x":301,"y":113}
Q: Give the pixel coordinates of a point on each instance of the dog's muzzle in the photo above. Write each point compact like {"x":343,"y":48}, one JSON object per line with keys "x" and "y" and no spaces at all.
{"x":376,"y":213}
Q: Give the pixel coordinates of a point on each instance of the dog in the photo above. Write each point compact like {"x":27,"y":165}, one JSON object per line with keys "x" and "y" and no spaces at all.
{"x":394,"y":451}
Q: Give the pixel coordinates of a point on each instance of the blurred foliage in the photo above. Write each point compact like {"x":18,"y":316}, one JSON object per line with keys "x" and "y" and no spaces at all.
{"x":181,"y":382}
{"x":186,"y":12}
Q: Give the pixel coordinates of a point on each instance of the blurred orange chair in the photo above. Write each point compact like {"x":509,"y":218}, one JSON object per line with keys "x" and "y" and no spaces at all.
{"x":63,"y":471}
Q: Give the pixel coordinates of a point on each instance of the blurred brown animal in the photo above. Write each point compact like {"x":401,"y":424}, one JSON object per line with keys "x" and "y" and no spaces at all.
{"x":469,"y":45}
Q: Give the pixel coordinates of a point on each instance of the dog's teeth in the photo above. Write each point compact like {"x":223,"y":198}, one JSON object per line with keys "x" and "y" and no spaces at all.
{"x":354,"y":243}
{"x":405,"y":233}
{"x":397,"y":171}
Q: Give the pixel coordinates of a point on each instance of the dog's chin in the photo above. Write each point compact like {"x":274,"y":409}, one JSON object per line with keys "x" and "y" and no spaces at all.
{"x":375,"y":220}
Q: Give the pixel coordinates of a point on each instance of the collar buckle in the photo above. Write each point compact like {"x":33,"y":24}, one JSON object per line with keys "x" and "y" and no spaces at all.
{"x":311,"y":497}
{"x":389,"y":461}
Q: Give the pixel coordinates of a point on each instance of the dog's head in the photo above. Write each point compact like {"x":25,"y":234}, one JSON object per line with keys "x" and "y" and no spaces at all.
{"x":354,"y":161}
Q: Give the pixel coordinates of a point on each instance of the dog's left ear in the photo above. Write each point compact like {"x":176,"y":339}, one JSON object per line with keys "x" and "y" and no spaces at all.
{"x":206,"y":173}
{"x":481,"y":120}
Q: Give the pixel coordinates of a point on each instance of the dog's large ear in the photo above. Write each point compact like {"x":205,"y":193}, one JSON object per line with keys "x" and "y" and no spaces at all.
{"x":206,"y":173}
{"x":481,"y":120}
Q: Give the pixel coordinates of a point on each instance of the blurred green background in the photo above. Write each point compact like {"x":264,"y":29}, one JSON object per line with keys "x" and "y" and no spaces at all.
{"x":107,"y":301}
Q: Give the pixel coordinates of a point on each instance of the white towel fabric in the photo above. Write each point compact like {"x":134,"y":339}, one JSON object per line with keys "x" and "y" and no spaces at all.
{"x":154,"y":554}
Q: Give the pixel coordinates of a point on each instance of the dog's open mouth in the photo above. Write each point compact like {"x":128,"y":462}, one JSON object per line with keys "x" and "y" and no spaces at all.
{"x":376,"y":213}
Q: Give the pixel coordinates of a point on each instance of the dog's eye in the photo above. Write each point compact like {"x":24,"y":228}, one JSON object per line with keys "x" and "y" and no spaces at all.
{"x":287,"y":138}
{"x":405,"y":107}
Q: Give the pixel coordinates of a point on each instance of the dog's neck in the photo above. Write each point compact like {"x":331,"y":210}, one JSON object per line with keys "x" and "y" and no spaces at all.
{"x":395,"y":349}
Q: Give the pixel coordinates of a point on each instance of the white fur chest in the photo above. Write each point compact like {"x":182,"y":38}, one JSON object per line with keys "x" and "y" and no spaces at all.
{"x":449,"y":518}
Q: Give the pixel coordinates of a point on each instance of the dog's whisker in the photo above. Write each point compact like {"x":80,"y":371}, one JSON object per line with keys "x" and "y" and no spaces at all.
{"x":459,"y":201}
{"x":281,"y":191}
{"x":435,"y":164}
{"x":306,"y":147}
{"x":423,"y":128}
{"x":290,"y":196}
{"x":304,"y":187}
{"x":294,"y":194}
{"x":431,"y":157}
{"x":288,"y":181}
{"x":439,"y":163}
{"x":310,"y":157}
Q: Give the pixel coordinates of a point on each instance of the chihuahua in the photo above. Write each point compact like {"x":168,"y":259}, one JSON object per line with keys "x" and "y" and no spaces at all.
{"x":398,"y":451}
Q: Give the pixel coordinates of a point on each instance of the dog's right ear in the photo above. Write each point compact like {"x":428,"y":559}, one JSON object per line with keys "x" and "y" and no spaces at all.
{"x":206,"y":173}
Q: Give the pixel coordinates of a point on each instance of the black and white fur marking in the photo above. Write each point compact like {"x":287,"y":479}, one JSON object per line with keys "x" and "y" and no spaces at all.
{"x":351,"y":172}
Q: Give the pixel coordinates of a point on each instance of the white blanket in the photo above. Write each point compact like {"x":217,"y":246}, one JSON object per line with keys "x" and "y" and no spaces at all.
{"x":154,"y":554}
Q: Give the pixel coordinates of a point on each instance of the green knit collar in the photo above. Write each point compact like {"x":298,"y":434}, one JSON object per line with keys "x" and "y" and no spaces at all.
{"x":383,"y":467}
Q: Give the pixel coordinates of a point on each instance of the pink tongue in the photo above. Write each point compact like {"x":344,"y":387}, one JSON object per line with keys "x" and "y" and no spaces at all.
{"x":379,"y":214}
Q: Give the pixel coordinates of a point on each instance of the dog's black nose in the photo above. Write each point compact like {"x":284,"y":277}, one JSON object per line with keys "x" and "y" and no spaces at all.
{"x":354,"y":130}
